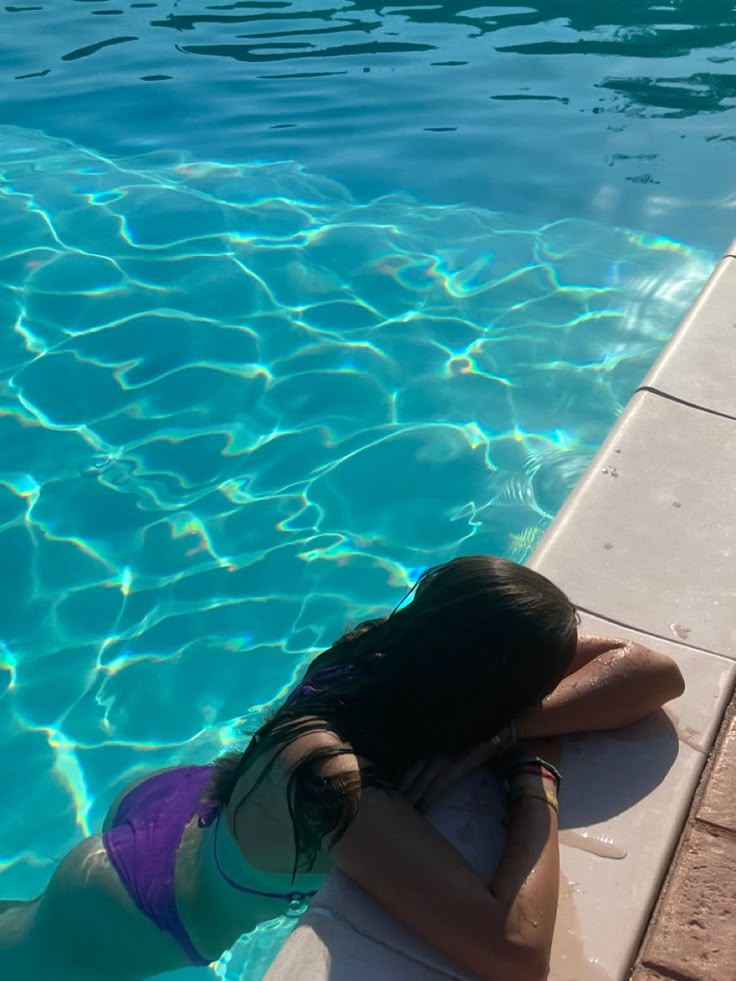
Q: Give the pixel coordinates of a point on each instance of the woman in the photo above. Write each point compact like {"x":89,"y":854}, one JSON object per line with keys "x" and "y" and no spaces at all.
{"x":384,"y":721}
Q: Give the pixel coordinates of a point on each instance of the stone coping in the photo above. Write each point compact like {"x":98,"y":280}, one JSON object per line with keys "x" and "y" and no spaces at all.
{"x":646,"y":547}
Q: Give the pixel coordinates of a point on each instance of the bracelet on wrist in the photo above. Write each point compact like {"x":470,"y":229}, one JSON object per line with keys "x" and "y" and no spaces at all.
{"x":532,"y":764}
{"x":533,"y":773}
{"x":523,"y":793}
{"x":545,"y":784}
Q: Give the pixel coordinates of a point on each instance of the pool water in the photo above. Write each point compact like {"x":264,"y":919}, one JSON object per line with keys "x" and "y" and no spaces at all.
{"x":297,"y":302}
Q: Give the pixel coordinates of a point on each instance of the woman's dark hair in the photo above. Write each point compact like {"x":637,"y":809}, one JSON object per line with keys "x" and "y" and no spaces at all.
{"x":482,"y":640}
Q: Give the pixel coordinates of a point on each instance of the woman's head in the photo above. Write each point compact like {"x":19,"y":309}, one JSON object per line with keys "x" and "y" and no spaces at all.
{"x":482,"y":640}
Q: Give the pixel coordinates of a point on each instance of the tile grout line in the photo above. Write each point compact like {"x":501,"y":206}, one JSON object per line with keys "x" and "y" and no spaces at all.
{"x":691,"y":405}
{"x":670,"y":975}
{"x":648,"y":633}
{"x":729,"y":833}
{"x":711,"y":826}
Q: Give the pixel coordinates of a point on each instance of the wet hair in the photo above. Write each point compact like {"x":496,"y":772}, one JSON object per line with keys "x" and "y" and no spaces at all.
{"x":482,"y":640}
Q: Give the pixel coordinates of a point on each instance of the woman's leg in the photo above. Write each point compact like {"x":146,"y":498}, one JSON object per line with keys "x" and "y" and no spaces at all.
{"x":83,"y":927}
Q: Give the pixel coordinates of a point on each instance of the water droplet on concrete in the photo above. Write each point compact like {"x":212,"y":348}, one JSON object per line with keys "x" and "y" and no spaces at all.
{"x":680,"y":631}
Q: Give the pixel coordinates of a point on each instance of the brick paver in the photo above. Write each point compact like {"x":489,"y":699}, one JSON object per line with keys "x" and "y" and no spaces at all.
{"x":718,"y":805}
{"x":692,"y":936}
{"x":695,"y":933}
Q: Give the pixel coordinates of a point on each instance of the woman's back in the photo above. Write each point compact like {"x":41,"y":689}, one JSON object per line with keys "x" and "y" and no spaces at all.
{"x":239,"y":871}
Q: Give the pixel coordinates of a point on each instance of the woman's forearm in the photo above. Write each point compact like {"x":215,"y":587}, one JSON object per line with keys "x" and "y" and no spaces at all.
{"x":527,"y":880}
{"x":613,"y":689}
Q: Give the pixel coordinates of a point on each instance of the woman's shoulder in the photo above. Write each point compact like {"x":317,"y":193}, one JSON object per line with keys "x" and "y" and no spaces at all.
{"x":313,"y":752}
{"x":308,"y":776}
{"x":328,"y":754}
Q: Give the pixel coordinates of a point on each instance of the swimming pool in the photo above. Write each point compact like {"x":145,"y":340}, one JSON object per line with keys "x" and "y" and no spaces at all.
{"x":297,"y":302}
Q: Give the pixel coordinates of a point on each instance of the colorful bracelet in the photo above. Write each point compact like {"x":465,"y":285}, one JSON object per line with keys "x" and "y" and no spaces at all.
{"x":531,"y":770}
{"x":521,"y":793}
{"x":532,"y":764}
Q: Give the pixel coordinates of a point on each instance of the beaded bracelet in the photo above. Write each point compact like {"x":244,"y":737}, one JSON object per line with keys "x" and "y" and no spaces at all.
{"x":520,"y":793}
{"x":533,"y":764}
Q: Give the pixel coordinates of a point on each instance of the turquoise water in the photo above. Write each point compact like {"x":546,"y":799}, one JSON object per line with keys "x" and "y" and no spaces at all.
{"x":296,"y":302}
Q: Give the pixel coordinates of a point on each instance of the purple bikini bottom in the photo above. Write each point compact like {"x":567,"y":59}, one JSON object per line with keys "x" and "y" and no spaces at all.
{"x":144,"y":838}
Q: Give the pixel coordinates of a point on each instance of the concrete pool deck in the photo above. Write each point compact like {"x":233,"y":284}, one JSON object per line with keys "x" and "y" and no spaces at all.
{"x":646,"y":547}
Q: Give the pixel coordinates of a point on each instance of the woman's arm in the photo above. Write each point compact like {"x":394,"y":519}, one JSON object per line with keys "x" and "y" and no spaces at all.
{"x":493,"y":931}
{"x":593,"y":645}
{"x":615,"y":683}
{"x":527,"y":876}
{"x":501,"y":930}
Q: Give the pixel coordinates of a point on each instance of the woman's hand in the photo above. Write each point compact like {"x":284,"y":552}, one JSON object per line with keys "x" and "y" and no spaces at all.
{"x":429,"y":779}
